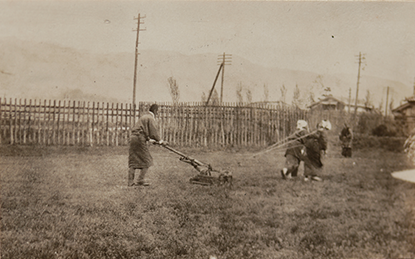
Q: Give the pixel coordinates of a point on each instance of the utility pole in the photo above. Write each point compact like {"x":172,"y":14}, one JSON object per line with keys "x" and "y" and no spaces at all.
{"x":214,"y":83}
{"x":387,"y":100}
{"x":357,"y":85}
{"x":414,"y":87}
{"x":350,"y":99}
{"x":224,"y":59}
{"x":139,"y":21}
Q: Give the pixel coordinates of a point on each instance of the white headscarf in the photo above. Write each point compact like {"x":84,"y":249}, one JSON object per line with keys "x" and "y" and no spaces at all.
{"x":301,"y":124}
{"x":325,"y":124}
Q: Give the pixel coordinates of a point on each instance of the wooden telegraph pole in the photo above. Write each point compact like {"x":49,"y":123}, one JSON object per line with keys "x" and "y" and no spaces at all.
{"x":387,"y":100}
{"x":139,"y":21}
{"x":414,"y":87}
{"x":224,"y":59}
{"x":360,"y":57}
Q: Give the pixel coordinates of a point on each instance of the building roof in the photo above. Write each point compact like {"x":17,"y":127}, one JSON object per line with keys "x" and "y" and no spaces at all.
{"x":327,"y":100}
{"x":410,"y":101}
{"x":403,"y":106}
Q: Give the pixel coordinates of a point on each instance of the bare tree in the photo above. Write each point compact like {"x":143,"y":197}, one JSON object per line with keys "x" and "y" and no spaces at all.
{"x":203,"y":97}
{"x":239,"y":95}
{"x":283,"y":91}
{"x":327,"y":91}
{"x":381,"y":105}
{"x":391,"y":106}
{"x":296,"y":97}
{"x":215,"y":98}
{"x":266,"y":93}
{"x":319,"y":81}
{"x":174,"y":90}
{"x":318,"y":87}
{"x":311,"y":97}
{"x":368,"y":99}
{"x":248,"y":95}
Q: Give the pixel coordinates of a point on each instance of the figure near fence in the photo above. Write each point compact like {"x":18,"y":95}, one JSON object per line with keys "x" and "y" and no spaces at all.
{"x":346,"y":138}
{"x":295,"y":150}
{"x":145,"y":130}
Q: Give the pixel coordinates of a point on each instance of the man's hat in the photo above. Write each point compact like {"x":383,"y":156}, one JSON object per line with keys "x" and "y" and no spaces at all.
{"x":154,"y":108}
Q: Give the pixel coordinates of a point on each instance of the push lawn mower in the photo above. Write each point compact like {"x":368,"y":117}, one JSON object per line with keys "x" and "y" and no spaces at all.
{"x":207,"y":175}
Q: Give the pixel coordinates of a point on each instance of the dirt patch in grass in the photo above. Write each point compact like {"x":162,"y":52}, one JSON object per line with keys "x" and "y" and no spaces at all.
{"x":74,"y":203}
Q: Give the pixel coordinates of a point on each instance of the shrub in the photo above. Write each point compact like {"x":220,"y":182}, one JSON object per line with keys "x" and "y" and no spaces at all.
{"x":394,"y":144}
{"x":410,"y":147}
{"x":380,"y":131}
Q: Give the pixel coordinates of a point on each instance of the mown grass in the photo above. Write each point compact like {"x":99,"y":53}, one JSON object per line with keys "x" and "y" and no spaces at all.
{"x":74,"y":203}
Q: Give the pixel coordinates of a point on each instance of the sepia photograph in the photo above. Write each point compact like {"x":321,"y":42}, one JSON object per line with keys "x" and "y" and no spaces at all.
{"x":207,"y":129}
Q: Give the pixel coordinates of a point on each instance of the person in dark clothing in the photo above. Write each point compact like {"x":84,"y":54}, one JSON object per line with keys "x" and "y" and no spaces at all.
{"x":139,"y":156}
{"x":294,"y":152}
{"x":316,"y":146}
{"x":346,"y":137}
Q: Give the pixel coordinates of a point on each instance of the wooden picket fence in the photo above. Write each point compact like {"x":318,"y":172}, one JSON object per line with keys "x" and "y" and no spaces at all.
{"x":185,"y":124}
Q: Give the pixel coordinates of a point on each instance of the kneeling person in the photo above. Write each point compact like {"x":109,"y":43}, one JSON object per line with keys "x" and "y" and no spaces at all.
{"x":316,"y":145}
{"x":294,"y":152}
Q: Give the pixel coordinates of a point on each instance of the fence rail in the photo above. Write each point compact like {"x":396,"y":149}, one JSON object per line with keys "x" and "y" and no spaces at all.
{"x":55,"y":122}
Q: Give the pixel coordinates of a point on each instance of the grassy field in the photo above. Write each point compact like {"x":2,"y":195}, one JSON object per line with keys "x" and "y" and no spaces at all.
{"x":74,"y":203}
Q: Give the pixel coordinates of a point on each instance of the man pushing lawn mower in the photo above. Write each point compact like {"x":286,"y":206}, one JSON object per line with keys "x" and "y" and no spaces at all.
{"x":139,"y":156}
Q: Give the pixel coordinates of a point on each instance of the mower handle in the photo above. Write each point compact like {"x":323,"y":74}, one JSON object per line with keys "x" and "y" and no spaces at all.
{"x":183,"y":156}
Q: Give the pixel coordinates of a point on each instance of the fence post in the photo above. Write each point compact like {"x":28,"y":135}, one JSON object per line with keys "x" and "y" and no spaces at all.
{"x":64,"y":123}
{"x":19,"y":110}
{"x":53,"y":123}
{"x":102,"y":124}
{"x":93,"y":124}
{"x":58,"y":126}
{"x":1,"y":121}
{"x":78,"y":115}
{"x":107,"y":119}
{"x":88,"y":128}
{"x":11,"y":123}
{"x":122,"y":128}
{"x":72,"y":140}
{"x":84,"y":129}
{"x":116,"y":124}
{"x":30,"y":131}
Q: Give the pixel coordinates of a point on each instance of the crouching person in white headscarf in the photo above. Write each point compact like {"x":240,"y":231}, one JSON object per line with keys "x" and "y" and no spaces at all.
{"x":295,"y":150}
{"x":316,"y":146}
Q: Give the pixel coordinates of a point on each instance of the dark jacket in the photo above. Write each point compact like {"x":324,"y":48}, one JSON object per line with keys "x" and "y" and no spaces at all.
{"x":315,"y":143}
{"x":297,"y":140}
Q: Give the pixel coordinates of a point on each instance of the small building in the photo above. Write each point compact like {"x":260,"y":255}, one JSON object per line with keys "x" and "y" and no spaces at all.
{"x":360,"y":108}
{"x":404,"y":114}
{"x":328,"y":103}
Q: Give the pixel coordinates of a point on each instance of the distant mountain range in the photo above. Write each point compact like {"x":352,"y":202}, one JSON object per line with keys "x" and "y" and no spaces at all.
{"x":48,"y":71}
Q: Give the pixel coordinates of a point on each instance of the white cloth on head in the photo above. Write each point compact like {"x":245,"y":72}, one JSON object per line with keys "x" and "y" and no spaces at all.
{"x":301,"y":124}
{"x":325,"y":124}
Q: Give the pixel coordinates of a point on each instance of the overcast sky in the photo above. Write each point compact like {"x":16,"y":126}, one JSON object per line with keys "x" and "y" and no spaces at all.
{"x":321,"y":37}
